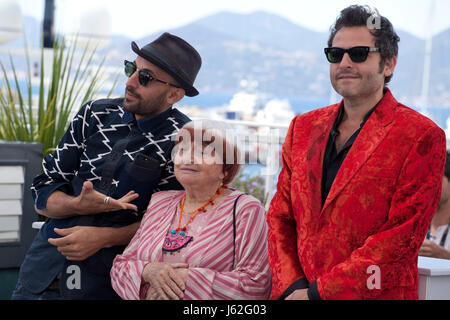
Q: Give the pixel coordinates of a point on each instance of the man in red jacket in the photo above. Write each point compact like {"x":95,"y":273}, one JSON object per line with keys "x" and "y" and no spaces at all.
{"x":360,"y":181}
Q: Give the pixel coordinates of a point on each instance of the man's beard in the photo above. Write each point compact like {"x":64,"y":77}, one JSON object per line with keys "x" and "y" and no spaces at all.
{"x":367,"y":86}
{"x":144,"y":108}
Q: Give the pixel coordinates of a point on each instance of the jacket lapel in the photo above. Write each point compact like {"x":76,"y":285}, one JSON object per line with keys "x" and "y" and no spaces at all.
{"x":318,"y":139}
{"x":370,"y":137}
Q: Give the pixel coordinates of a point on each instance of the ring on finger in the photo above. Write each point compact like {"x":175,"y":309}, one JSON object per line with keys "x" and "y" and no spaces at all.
{"x":105,"y":201}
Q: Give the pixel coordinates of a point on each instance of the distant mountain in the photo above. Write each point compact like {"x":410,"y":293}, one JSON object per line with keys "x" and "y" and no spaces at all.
{"x":440,"y":67}
{"x":266,"y":29}
{"x":286,"y":59}
{"x":236,"y":47}
{"x":407,"y":81}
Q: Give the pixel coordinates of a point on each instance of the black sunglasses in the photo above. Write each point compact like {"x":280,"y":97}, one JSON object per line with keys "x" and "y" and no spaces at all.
{"x":144,"y":76}
{"x":357,"y":54}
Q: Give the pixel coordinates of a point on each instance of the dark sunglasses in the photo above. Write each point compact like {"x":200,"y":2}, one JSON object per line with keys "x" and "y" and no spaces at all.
{"x":357,"y":54}
{"x":144,"y":76}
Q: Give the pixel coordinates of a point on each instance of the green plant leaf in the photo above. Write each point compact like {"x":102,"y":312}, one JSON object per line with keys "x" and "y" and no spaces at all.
{"x":72,"y":80}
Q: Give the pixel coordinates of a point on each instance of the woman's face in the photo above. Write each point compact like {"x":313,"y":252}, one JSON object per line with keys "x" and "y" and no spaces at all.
{"x":197,"y":166}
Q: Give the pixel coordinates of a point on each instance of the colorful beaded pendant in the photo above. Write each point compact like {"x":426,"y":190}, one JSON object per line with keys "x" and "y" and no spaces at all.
{"x":178,"y":238}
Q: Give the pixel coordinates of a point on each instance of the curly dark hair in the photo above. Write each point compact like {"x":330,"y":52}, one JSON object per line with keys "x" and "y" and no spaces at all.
{"x":385,"y":36}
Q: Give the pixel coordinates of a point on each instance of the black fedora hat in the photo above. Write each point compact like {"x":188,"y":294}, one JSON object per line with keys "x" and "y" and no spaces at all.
{"x":175,"y":56}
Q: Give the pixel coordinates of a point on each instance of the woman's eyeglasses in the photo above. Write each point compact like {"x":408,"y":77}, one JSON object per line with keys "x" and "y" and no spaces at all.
{"x":144,"y":76}
{"x":357,"y":54}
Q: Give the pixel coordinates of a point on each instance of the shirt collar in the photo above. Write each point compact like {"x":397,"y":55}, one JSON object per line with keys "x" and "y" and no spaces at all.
{"x":335,"y":131}
{"x":147,"y":124}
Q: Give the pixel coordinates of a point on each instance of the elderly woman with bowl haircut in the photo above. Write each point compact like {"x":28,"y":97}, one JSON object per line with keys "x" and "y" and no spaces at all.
{"x":207,"y":242}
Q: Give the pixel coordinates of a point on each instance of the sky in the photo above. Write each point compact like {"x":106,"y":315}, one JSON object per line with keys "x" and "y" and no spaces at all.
{"x":138,"y":18}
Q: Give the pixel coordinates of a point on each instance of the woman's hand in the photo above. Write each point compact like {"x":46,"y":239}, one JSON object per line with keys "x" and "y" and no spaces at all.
{"x":167,"y":281}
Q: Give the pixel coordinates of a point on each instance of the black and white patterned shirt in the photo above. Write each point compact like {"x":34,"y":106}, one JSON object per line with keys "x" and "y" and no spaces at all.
{"x":101,"y":145}
{"x":104,"y":144}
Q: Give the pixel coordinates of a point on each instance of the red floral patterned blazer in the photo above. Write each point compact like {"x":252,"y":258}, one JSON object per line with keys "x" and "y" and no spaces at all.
{"x":377,"y":212}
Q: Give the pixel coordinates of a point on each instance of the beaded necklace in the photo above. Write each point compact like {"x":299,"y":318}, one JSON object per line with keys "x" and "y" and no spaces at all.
{"x":178,"y":238}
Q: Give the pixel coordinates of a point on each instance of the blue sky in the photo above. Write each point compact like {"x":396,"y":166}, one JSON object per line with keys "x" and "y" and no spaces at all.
{"x":136,"y":18}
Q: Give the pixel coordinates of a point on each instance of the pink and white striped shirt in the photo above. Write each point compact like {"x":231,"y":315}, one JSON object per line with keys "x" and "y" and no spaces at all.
{"x":209,"y":255}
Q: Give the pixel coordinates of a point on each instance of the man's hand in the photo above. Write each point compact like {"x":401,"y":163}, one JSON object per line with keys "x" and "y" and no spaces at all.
{"x":167,"y":281}
{"x":79,"y":243}
{"x":299,"y":295}
{"x":91,"y":202}
{"x":431,"y":249}
{"x":61,"y":205}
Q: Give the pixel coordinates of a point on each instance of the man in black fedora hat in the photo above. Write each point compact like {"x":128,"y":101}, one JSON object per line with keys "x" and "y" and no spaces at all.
{"x":97,"y":184}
